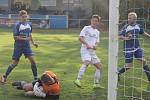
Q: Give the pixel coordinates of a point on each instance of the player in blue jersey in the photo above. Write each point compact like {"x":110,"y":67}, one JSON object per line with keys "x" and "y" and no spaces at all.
{"x":130,"y":34}
{"x":22,"y":37}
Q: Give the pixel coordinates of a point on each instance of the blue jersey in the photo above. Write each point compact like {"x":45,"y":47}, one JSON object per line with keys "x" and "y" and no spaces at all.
{"x":24,"y":30}
{"x":133,"y":32}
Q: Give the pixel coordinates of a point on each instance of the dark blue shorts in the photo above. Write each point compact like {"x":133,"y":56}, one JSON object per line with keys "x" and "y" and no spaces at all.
{"x":138,"y":54}
{"x":17,"y":53}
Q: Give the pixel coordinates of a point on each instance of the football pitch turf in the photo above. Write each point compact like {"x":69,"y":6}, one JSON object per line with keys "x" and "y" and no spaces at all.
{"x":59,"y":51}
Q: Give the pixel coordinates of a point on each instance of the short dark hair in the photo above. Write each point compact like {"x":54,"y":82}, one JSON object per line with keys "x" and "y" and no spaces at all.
{"x":45,"y":78}
{"x":22,"y":12}
{"x":97,"y":17}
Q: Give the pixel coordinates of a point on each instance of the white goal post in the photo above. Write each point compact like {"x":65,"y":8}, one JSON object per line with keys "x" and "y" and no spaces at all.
{"x":113,"y":49}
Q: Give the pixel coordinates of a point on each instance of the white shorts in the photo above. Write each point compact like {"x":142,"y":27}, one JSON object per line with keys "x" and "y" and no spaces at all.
{"x":89,"y":55}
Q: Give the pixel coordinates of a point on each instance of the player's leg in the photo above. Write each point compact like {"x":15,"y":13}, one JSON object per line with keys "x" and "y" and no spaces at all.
{"x":23,"y":85}
{"x":146,"y":68}
{"x":28,"y":87}
{"x":97,"y":75}
{"x":33,"y":67}
{"x":29,"y":94}
{"x":19,"y":84}
{"x":28,"y":54}
{"x":83,"y":69}
{"x":128,"y":62}
{"x":139,"y":54}
{"x":15,"y":60}
{"x":86,"y":59}
{"x":81,"y":72}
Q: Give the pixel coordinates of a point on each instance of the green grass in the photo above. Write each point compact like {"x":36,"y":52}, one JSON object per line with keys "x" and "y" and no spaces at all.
{"x":59,"y":51}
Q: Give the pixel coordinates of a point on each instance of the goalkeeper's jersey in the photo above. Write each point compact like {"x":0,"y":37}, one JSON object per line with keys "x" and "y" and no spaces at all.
{"x":131,"y":31}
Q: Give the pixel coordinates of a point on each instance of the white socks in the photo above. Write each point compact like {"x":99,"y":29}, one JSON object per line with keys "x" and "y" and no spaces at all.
{"x":97,"y":76}
{"x":81,"y":71}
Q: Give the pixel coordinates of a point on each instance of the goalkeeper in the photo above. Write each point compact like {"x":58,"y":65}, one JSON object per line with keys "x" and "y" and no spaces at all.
{"x":46,"y":87}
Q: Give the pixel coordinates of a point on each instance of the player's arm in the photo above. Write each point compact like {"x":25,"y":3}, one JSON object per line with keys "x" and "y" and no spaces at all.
{"x":142,"y":31}
{"x":97,"y":41}
{"x":96,"y":45}
{"x":38,"y":90}
{"x":122,"y":34}
{"x":29,"y":93}
{"x":82,"y":40}
{"x":32,"y":41}
{"x":146,"y":34}
{"x":21,"y":38}
{"x":123,"y":37}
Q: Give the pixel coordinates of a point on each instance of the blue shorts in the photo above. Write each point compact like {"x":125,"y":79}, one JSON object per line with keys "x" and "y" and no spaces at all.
{"x":17,"y":53}
{"x":138,"y":54}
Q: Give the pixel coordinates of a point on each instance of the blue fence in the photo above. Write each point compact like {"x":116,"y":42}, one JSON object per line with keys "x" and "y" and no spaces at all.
{"x":38,"y":21}
{"x":58,"y":22}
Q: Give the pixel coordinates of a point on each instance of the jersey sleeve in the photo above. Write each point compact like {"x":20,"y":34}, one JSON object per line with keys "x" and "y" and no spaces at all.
{"x":123,"y":31}
{"x":83,"y":31}
{"x":141,"y":29}
{"x":31,"y":27}
{"x":16,"y":29}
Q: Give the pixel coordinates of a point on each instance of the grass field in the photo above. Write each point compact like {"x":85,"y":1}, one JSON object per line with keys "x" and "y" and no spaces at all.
{"x":59,"y":51}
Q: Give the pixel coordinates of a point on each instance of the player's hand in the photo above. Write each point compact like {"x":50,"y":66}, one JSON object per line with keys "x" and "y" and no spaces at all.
{"x":126,"y":38}
{"x":28,"y":38}
{"x":38,"y":90}
{"x":36,"y":86}
{"x":89,"y":47}
{"x":35,"y":44}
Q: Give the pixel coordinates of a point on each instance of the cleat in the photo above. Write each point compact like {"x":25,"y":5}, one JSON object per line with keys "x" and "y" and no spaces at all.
{"x":77,"y":83}
{"x":118,"y":77}
{"x":118,"y":73}
{"x":95,"y":86}
{"x":3,"y":80}
{"x":18,"y":87}
{"x":17,"y":83}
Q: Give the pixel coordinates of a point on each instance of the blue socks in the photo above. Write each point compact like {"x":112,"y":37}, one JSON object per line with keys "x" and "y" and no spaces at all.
{"x":34,"y":71}
{"x":147,"y":71}
{"x":122,"y":70}
{"x":9,"y":69}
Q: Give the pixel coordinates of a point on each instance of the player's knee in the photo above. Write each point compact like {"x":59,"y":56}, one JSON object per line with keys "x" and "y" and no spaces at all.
{"x":98,"y":65}
{"x":144,"y":62}
{"x":87,"y":63}
{"x":32,"y":62}
{"x":13,"y":65}
{"x":129,"y":65}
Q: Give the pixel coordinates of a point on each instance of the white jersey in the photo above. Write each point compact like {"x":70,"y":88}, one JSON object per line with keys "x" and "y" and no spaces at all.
{"x":90,"y":35}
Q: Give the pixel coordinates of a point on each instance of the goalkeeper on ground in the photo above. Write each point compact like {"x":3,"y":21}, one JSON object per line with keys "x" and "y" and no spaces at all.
{"x":46,"y":87}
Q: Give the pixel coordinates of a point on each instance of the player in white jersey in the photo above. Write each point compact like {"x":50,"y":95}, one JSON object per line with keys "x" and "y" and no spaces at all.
{"x":89,"y":37}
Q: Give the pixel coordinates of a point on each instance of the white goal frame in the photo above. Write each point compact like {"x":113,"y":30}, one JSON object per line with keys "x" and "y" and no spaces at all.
{"x":113,"y":49}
